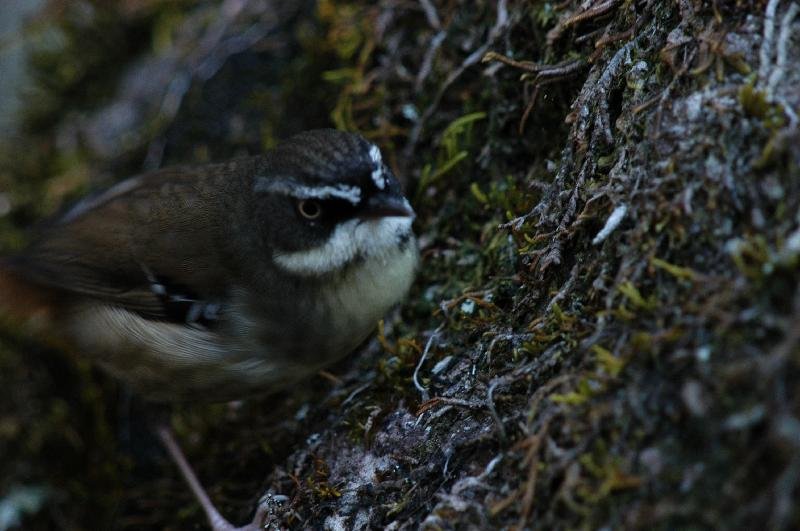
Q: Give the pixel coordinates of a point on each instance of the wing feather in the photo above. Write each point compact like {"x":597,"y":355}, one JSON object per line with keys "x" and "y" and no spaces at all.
{"x":149,"y":244}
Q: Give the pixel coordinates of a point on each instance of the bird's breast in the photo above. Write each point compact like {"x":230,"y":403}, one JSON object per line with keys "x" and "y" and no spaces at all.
{"x":324,"y":322}
{"x":362,"y":297}
{"x":263,"y":348}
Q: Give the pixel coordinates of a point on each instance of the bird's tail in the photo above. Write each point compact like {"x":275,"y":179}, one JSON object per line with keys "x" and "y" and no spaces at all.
{"x":23,"y":305}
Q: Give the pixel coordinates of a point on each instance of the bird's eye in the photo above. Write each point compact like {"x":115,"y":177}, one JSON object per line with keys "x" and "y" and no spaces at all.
{"x":309,"y":209}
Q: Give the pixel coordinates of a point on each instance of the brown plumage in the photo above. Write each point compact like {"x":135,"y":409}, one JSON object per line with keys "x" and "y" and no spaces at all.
{"x":221,"y":281}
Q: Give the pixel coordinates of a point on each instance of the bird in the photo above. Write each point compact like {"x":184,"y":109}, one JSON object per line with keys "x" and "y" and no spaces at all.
{"x":223,"y":281}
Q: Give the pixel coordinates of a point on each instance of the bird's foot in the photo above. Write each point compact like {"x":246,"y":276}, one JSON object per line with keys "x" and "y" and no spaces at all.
{"x":215,"y":519}
{"x":260,"y":522}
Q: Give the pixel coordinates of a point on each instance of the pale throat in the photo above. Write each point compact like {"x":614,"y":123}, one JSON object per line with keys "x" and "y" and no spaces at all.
{"x":354,"y":240}
{"x":377,"y":261}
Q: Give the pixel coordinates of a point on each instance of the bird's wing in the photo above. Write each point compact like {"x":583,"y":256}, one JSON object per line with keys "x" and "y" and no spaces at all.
{"x":153,"y":244}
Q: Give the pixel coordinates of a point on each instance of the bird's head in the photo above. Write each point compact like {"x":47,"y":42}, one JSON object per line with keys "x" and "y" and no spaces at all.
{"x":328,"y":200}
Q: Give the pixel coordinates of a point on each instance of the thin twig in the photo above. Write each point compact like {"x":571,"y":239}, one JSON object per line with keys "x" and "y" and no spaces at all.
{"x":492,"y":410}
{"x":528,"y":66}
{"x":765,"y":53}
{"x":430,"y":14}
{"x":561,"y":70}
{"x":573,"y":275}
{"x":782,"y":51}
{"x":593,"y":12}
{"x":500,"y":24}
{"x":422,"y":358}
{"x":532,"y":461}
{"x":427,"y":60}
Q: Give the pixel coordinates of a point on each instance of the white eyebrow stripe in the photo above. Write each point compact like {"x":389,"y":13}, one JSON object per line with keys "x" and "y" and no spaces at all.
{"x":351,"y":194}
{"x":377,"y":173}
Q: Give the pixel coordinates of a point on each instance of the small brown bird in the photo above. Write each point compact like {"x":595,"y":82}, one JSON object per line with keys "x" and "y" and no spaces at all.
{"x":223,"y":281}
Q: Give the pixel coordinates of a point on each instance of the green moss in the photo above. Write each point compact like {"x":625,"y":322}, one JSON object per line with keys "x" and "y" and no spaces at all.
{"x":754,"y":103}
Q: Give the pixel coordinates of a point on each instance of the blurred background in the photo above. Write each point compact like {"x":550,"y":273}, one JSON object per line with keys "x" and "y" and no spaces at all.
{"x":12,"y":70}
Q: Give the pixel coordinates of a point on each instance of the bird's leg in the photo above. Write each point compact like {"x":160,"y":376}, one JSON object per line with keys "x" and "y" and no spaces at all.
{"x":217,"y":521}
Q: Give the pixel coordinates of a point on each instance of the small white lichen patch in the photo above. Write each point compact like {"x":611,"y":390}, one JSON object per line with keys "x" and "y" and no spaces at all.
{"x":612,"y":223}
{"x":335,"y":523}
{"x":369,"y":466}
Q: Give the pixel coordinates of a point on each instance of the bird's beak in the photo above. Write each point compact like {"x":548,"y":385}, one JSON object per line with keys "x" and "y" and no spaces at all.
{"x":385,"y":205}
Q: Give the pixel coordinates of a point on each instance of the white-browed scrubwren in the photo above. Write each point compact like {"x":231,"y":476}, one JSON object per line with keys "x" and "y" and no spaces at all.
{"x":222,"y":281}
